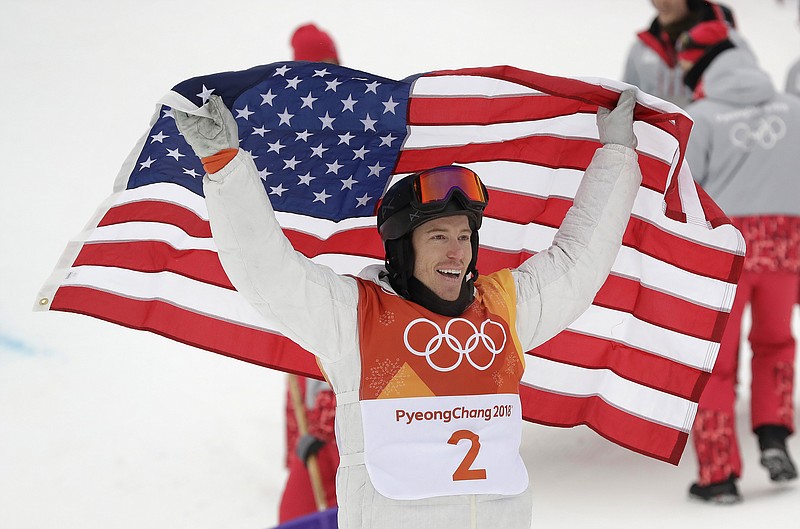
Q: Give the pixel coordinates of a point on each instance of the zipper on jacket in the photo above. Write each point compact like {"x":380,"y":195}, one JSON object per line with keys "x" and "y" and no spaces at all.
{"x":473,"y":511}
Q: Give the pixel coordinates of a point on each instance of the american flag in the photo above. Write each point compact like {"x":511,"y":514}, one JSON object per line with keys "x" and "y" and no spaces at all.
{"x":327,"y":142}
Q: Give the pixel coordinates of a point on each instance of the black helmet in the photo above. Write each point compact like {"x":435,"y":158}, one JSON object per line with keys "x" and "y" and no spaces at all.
{"x":419,"y":198}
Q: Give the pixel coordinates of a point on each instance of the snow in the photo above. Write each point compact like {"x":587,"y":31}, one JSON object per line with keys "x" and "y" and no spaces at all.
{"x":102,"y":426}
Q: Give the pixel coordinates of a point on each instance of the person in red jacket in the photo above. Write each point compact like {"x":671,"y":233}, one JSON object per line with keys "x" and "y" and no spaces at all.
{"x":652,"y":63}
{"x":319,"y":406}
{"x":309,"y":43}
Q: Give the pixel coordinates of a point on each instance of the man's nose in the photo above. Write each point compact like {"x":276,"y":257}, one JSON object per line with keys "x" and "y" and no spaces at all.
{"x":455,"y":250}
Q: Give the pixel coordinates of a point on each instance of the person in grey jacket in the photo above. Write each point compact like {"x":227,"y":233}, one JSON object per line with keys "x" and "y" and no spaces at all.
{"x":652,"y":63}
{"x":743,"y":152}
{"x":464,"y":470}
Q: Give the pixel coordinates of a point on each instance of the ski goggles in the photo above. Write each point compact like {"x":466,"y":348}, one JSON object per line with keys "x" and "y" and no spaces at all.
{"x":431,"y":190}
{"x":427,"y":195}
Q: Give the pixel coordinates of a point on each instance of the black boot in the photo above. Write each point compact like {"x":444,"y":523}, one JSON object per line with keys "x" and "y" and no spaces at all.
{"x":774,"y":455}
{"x":721,"y":493}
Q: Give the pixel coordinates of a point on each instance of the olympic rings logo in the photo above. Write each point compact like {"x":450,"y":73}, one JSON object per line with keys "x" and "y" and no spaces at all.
{"x":768,"y":133}
{"x":464,"y":350}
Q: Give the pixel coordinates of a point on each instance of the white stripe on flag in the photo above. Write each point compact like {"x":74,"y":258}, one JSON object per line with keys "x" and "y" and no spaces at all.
{"x":668,"y":278}
{"x":321,"y":228}
{"x":165,"y":192}
{"x":649,"y":206}
{"x":177,"y":290}
{"x":581,"y":126}
{"x":151,"y":231}
{"x":526,"y":179}
{"x":691,"y":201}
{"x":634,"y":399}
{"x":625,"y":328}
{"x":467,"y":85}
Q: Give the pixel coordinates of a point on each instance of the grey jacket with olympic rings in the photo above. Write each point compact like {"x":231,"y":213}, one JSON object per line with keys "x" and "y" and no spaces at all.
{"x":743,"y":146}
{"x":317,"y":308}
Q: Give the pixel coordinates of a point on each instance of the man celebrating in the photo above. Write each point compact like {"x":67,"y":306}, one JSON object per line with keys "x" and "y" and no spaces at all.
{"x":425,"y":356}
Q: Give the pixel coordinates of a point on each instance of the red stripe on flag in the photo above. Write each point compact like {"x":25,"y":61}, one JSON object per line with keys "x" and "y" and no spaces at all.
{"x":560,"y":86}
{"x":628,"y":362}
{"x":158,"y":211}
{"x":682,"y":253}
{"x":592,"y":95}
{"x":545,"y":151}
{"x":661,"y":442}
{"x":364,"y":242}
{"x":487,"y":110}
{"x":156,"y":256}
{"x":525,"y":209}
{"x":715,"y":215}
{"x":198,"y":330}
{"x":663,"y":310}
{"x":490,"y":260}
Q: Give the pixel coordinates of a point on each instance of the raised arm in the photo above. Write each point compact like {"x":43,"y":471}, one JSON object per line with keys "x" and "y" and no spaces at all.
{"x":308,"y":303}
{"x":557,"y":285}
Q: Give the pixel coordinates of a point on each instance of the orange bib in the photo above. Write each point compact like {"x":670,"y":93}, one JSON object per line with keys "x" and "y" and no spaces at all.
{"x":440,"y":395}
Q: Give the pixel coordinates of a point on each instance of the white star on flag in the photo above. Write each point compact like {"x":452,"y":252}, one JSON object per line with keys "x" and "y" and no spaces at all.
{"x":334,"y":167}
{"x":278,"y":190}
{"x":349,"y":103}
{"x":321,"y":196}
{"x":327,"y":121}
{"x":244,"y":113}
{"x":332,"y":85}
{"x":362,"y":200}
{"x":205,"y":94}
{"x":308,"y":101}
{"x":266,"y":99}
{"x":175,"y":153}
{"x":285,"y":117}
{"x":318,"y":150}
{"x":306,"y":179}
{"x":389,"y":106}
{"x":348,"y":184}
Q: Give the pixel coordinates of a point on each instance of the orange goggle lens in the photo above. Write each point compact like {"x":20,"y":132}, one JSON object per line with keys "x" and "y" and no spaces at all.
{"x":437,"y":184}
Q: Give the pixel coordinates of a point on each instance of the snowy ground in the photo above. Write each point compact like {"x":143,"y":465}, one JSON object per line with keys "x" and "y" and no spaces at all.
{"x":102,"y":426}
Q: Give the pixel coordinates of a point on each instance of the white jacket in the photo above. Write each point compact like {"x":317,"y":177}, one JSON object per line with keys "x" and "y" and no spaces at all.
{"x":317,"y":308}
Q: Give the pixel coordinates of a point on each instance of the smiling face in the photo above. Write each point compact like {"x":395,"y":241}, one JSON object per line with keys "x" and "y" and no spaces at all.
{"x":442,"y":253}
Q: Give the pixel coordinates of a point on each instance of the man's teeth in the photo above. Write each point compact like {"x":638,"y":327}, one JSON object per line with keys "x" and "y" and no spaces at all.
{"x":450,"y":272}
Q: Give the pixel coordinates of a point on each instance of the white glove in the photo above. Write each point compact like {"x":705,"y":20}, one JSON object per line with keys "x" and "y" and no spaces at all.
{"x":616,"y":126}
{"x":208,"y":136}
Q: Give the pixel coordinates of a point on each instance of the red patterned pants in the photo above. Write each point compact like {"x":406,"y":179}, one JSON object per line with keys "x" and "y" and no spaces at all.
{"x":771,"y":296}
